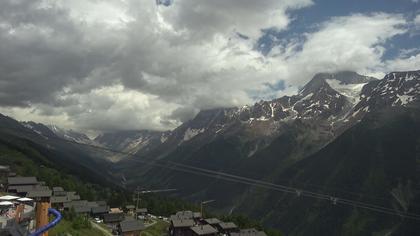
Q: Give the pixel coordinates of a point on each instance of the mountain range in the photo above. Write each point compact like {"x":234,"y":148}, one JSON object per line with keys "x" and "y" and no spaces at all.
{"x":344,"y":134}
{"x":333,"y":134}
{"x":44,"y":147}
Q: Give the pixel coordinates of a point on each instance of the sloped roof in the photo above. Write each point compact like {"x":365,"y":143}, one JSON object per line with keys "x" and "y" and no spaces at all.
{"x":185,"y":214}
{"x":39,"y":193}
{"x":228,"y":225}
{"x":204,"y":229}
{"x":79,"y":202}
{"x":82,"y":209}
{"x":212,"y":221}
{"x":101,"y":203}
{"x":58,"y":189}
{"x":59,"y":199}
{"x":75,"y":203}
{"x":141,"y":210}
{"x":22,"y":180}
{"x":27,"y":188}
{"x":131,"y":225}
{"x":249,"y":232}
{"x":92,"y":204}
{"x":113,"y":217}
{"x":182,"y":223}
{"x":73,"y":196}
{"x":100,"y":209}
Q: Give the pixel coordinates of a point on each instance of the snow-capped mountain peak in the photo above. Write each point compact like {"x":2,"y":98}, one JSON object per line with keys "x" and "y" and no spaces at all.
{"x":70,"y":135}
{"x":351,"y":91}
{"x":39,"y":129}
{"x":346,"y":83}
{"x":328,"y":100}
{"x":396,"y":89}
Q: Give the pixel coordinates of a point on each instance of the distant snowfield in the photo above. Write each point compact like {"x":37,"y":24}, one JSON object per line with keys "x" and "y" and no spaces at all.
{"x":351,"y":91}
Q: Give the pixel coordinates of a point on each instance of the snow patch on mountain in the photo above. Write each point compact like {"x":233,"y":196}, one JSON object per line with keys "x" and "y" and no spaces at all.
{"x":404,"y":99}
{"x":29,"y":126}
{"x":164,"y":137}
{"x":330,"y":102}
{"x":307,"y":97}
{"x":253,"y":151}
{"x":54,"y":128}
{"x":263,"y":118}
{"x":70,"y":135}
{"x":272,"y":110}
{"x":191,"y":133}
{"x":351,"y":91}
{"x":137,"y":143}
{"x":408,"y":78}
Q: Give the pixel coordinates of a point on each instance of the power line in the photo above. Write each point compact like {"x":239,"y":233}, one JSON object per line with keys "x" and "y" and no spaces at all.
{"x":306,"y":193}
{"x":333,"y":199}
{"x":317,"y":187}
{"x":252,"y":182}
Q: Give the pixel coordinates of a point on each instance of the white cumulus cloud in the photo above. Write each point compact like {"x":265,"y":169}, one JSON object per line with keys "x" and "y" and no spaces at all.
{"x":132,"y":64}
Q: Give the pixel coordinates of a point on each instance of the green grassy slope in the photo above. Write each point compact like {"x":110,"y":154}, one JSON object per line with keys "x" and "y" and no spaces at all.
{"x":376,"y":162}
{"x":65,"y":227}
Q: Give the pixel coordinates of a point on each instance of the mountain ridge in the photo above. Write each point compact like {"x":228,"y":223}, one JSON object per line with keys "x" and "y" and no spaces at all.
{"x":316,"y":102}
{"x":253,"y":143}
{"x":316,"y":98}
{"x":319,"y":139}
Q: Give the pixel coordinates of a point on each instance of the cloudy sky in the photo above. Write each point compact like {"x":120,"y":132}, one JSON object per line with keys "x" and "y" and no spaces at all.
{"x":100,"y":65}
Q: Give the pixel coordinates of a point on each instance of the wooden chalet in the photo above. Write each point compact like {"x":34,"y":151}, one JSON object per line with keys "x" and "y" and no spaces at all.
{"x":131,"y":227}
{"x":203,"y":230}
{"x":181,"y":227}
{"x":227,"y":227}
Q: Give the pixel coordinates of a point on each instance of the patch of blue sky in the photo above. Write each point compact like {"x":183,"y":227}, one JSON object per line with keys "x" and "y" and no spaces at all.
{"x":269,"y":93}
{"x":164,"y":2}
{"x":307,"y":20}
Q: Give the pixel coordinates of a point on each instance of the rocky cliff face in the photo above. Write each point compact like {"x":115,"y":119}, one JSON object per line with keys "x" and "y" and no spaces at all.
{"x":324,"y":102}
{"x":351,"y":136}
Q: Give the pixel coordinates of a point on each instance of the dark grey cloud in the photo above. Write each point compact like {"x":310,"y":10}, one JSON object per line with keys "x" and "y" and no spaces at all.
{"x":42,"y":51}
{"x":183,"y":114}
{"x":102,"y":65}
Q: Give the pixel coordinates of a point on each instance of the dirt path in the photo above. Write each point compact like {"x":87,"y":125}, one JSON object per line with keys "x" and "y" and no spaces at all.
{"x":106,"y":232}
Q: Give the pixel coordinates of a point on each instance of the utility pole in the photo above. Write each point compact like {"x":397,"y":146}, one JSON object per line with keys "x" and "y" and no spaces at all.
{"x":137,"y":199}
{"x":202,"y":206}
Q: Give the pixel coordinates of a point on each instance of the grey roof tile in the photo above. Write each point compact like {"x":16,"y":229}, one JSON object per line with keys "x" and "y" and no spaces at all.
{"x":131,"y":225}
{"x":204,"y":230}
